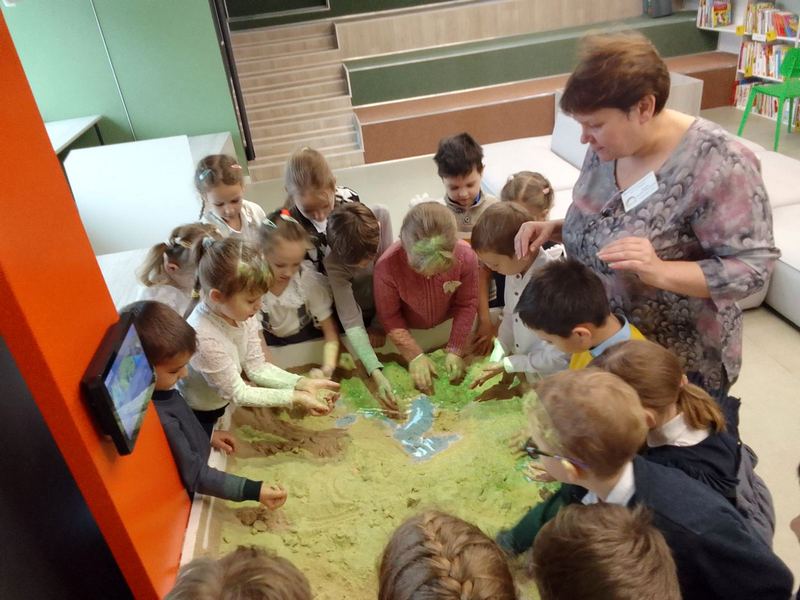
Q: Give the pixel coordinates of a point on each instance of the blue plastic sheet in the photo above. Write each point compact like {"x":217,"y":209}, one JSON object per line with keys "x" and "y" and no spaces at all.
{"x":412,"y":434}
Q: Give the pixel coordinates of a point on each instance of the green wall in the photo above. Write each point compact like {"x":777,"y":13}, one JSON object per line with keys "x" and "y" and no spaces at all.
{"x":238,"y":9}
{"x":475,"y":64}
{"x":164,"y":53}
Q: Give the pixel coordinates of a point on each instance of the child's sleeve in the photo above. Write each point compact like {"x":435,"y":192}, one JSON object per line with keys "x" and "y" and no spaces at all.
{"x":388,"y":306}
{"x":543,"y":358}
{"x":317,"y":295}
{"x":505,"y":333}
{"x":464,"y":304}
{"x":192,"y":463}
{"x":347,"y":308}
{"x":258,"y":370}
{"x":387,"y":234}
{"x":521,"y":537}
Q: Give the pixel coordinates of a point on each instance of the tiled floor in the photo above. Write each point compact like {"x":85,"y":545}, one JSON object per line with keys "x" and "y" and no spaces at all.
{"x":769,"y":384}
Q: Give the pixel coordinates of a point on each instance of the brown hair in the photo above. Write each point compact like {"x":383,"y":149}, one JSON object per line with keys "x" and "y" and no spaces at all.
{"x":177,"y":250}
{"x":428,"y":235}
{"x":353,"y":232}
{"x":603,"y":552}
{"x":281,"y":225}
{"x":163,"y":332}
{"x":247,"y":573}
{"x":656,"y":375}
{"x":496,"y":227}
{"x":214,"y":170}
{"x":458,"y":155}
{"x":231,"y":266}
{"x":307,"y":170}
{"x":615,"y":71}
{"x":437,"y":555}
{"x":592,"y":416}
{"x":530,"y":190}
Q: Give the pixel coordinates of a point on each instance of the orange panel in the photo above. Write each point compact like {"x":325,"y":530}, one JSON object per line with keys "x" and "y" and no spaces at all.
{"x":55,"y":309}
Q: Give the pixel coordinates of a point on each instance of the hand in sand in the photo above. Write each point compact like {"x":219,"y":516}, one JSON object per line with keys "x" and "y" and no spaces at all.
{"x":223,"y":441}
{"x":310,"y":402}
{"x":455,"y":367}
{"x":422,"y":372}
{"x":272,"y":496}
{"x":487,"y":372}
{"x":385,"y":392}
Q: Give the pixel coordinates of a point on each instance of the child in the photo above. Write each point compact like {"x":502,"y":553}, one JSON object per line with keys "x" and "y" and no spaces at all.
{"x":312,"y":195}
{"x":246,"y":573}
{"x":587,"y":427}
{"x":459,"y":162}
{"x":422,"y":280}
{"x":532,"y":191}
{"x":168,"y":273}
{"x":298,"y":304}
{"x":220,"y":183}
{"x":169,"y":342}
{"x":358,"y":236}
{"x":234,"y":276}
{"x":603,"y":552}
{"x":687,"y":427}
{"x":565,"y":304}
{"x":519,"y":349}
{"x":436,"y":555}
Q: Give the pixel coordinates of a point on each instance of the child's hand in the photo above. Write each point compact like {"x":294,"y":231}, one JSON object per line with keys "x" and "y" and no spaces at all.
{"x":377,"y":337}
{"x":487,"y":372}
{"x":482,"y":342}
{"x":385,"y":392}
{"x":272,"y":496}
{"x":454,"y":365}
{"x":538,"y":473}
{"x":223,"y":441}
{"x":314,"y":385}
{"x":422,"y":371}
{"x":308,"y":401}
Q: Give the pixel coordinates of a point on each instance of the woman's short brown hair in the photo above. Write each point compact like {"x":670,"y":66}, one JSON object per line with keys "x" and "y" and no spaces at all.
{"x":615,"y":71}
{"x":353,"y":232}
{"x":603,"y":552}
{"x":437,"y":555}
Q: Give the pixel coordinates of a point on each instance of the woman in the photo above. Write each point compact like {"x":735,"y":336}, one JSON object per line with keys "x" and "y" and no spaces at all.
{"x":668,"y":210}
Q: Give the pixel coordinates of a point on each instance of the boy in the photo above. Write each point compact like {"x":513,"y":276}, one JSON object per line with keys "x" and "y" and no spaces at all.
{"x":587,"y":427}
{"x":603,"y":551}
{"x":517,"y":348}
{"x":565,"y":304}
{"x":169,"y":342}
{"x":357,"y":237}
{"x":244,"y":573}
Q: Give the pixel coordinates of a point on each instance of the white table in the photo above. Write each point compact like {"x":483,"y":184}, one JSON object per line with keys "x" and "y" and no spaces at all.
{"x":63,"y":133}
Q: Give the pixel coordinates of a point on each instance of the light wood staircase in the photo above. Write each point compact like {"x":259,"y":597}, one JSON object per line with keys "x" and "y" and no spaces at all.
{"x":295,"y":92}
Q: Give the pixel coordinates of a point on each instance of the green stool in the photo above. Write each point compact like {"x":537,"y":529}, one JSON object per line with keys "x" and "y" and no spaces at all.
{"x":789,"y":89}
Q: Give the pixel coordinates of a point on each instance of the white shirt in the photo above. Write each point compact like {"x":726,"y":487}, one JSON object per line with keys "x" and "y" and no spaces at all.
{"x":527,"y":352}
{"x":675,"y":432}
{"x":306,"y":298}
{"x":252,"y":216}
{"x":177,"y":299}
{"x":621,"y":493}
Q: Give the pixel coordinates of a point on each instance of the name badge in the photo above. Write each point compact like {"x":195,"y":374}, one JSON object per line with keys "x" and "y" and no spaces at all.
{"x":640,"y":191}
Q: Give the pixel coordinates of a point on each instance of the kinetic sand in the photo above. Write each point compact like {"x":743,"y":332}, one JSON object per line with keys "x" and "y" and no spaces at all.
{"x":351,"y":485}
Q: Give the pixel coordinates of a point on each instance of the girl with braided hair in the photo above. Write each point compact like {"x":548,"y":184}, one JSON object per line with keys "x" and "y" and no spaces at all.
{"x":437,"y":556}
{"x":420,"y":281}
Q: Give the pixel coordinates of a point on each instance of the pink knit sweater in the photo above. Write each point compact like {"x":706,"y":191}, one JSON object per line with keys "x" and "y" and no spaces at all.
{"x":405,"y":299}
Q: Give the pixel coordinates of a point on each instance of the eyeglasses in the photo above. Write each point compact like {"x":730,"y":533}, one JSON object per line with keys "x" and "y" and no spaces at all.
{"x":533,"y":451}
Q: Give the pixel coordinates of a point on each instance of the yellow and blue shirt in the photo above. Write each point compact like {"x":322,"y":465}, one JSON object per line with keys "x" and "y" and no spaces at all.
{"x":627,"y":332}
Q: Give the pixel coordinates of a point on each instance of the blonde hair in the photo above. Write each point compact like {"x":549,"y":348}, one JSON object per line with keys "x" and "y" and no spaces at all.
{"x":530,"y":190}
{"x":281,"y":225}
{"x":428,"y":235}
{"x":603,"y":552}
{"x":307,"y":170}
{"x":656,"y":375}
{"x":177,"y":249}
{"x":592,"y":416}
{"x":437,"y":555}
{"x":214,"y":170}
{"x":246,"y":573}
{"x":231,"y":266}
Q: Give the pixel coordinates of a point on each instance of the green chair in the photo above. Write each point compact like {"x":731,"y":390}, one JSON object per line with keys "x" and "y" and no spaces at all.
{"x":788,"y":89}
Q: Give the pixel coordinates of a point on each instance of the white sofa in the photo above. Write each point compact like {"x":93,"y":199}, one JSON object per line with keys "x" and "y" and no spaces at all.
{"x":559,"y":156}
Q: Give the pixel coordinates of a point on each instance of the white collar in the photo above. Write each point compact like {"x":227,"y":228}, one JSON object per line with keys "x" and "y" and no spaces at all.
{"x":621,"y":493}
{"x":675,"y":432}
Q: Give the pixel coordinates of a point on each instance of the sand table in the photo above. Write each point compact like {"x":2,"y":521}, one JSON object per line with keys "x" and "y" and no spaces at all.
{"x":351,"y":482}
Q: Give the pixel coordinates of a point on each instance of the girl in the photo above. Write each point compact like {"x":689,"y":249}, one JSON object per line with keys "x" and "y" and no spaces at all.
{"x":168,"y":273}
{"x":425,"y":278}
{"x":219,"y":181}
{"x":233,"y":277}
{"x":298,"y":303}
{"x":312,"y":195}
{"x":687,"y":429}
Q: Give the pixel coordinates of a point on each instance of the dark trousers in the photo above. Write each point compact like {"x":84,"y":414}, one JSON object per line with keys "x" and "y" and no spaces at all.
{"x":309,"y":332}
{"x":209,"y":418}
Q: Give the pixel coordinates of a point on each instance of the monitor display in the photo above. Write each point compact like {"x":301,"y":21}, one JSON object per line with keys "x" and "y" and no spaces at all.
{"x":119,"y":384}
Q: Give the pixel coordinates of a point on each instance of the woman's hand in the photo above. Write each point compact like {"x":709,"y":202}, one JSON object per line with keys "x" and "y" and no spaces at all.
{"x":533,"y":234}
{"x":634,"y":254}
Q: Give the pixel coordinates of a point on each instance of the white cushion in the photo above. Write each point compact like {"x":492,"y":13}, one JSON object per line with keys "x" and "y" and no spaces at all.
{"x":567,"y":137}
{"x":780,"y":175}
{"x":685,"y":94}
{"x":502,"y":159}
{"x":757,"y":149}
{"x":561,"y":202}
{"x":784,"y":287}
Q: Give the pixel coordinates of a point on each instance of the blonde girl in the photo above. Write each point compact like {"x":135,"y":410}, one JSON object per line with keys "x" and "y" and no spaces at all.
{"x":312,"y":194}
{"x":532,"y":191}
{"x":168,"y":273}
{"x":298,"y":304}
{"x":233,"y":277}
{"x":220,"y":182}
{"x":420,"y":281}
